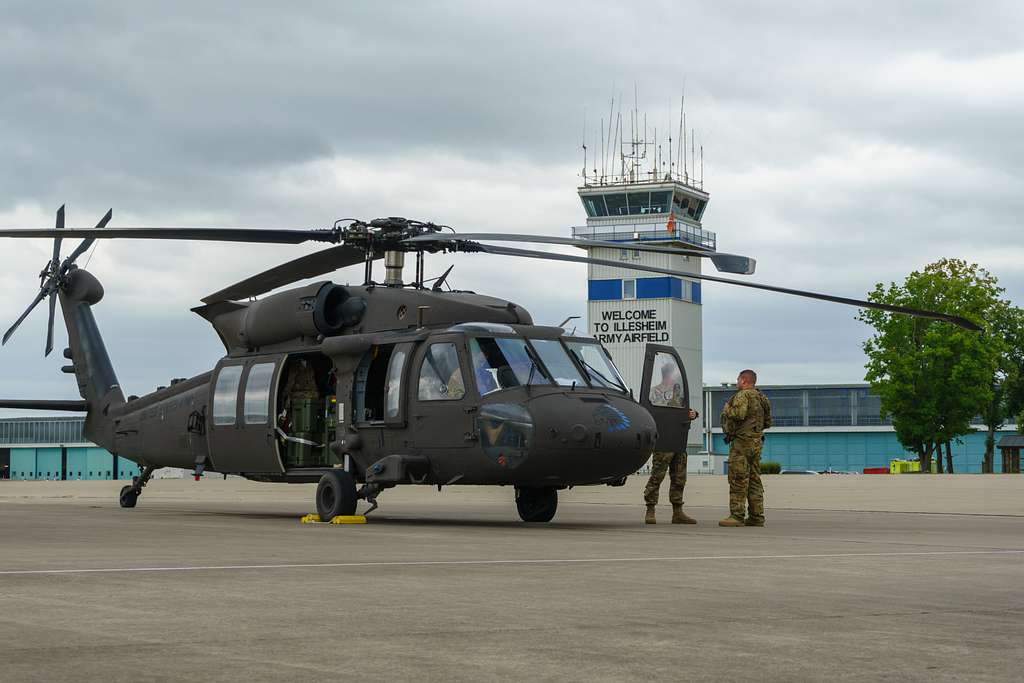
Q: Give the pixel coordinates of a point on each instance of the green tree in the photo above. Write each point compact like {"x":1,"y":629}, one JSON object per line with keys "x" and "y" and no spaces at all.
{"x":933,"y":377}
{"x":1006,"y":323}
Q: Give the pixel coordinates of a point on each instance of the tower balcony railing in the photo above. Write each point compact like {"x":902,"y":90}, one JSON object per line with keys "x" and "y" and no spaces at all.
{"x":647,"y":232}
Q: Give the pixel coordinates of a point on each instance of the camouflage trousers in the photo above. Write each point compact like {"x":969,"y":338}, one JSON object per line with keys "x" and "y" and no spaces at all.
{"x":675,"y":465}
{"x":746,"y":493}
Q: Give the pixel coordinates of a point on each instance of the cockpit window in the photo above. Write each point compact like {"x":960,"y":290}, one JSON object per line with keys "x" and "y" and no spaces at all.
{"x":597,"y":364}
{"x":502,"y":363}
{"x":440,"y":376}
{"x":557,"y":362}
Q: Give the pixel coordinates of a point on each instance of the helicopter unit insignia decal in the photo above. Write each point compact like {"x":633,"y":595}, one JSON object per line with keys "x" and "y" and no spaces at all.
{"x":611,"y":419}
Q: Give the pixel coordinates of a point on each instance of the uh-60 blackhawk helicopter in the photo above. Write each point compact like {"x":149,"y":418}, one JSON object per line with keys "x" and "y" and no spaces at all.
{"x":362,"y":388}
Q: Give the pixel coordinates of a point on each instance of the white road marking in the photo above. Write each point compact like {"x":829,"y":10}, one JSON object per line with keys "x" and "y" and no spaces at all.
{"x":455,"y":563}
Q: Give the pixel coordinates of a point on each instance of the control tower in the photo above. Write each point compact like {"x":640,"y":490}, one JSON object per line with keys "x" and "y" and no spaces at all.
{"x":628,"y":309}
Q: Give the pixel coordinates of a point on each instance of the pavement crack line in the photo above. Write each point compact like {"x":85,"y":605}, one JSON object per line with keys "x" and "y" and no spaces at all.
{"x":492,"y":562}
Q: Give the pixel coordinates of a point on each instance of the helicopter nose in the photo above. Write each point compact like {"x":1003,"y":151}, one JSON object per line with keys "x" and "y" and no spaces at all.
{"x":591,"y":438}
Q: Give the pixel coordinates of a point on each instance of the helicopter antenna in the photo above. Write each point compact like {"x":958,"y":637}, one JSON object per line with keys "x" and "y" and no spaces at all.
{"x":439,"y":282}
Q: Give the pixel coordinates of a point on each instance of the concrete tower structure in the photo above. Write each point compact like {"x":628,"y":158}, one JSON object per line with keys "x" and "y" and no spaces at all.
{"x":628,"y":309}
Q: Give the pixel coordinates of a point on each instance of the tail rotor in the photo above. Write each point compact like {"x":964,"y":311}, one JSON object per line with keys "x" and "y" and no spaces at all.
{"x":51,"y":279}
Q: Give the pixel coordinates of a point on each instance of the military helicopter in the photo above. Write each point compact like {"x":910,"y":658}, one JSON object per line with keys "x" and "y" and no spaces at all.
{"x":362,"y":388}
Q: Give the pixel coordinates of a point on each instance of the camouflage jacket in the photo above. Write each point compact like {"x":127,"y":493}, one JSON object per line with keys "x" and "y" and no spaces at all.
{"x":671,"y":396}
{"x":746,"y":415}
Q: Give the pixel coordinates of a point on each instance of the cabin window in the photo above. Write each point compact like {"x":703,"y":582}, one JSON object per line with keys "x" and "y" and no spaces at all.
{"x":501,"y":363}
{"x":557,"y":362}
{"x":597,"y":364}
{"x":629,"y":289}
{"x":257,"y":393}
{"x":667,"y":383}
{"x":440,"y":374}
{"x":393,"y":390}
{"x":225,"y":395}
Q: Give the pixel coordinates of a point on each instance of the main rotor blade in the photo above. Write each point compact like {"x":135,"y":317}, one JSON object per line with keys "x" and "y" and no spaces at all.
{"x":254,"y":235}
{"x":311,"y":265}
{"x":35,"y":302}
{"x":88,"y":241}
{"x":726,"y":263}
{"x":859,"y":303}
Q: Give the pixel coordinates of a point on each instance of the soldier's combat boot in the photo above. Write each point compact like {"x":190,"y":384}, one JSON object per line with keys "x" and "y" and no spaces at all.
{"x":731,"y":521}
{"x":753,"y":521}
{"x":680,"y":517}
{"x":649,"y":517}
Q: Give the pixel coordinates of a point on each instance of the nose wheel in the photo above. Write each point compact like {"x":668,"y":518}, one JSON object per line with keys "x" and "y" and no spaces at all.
{"x":536,"y":504}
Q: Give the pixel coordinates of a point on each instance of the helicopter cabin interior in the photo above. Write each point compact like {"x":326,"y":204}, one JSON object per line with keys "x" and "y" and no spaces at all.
{"x":307,"y":411}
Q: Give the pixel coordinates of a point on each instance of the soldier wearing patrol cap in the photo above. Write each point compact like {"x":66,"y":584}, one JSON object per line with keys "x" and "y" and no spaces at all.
{"x":744,"y":418}
{"x":668,"y":393}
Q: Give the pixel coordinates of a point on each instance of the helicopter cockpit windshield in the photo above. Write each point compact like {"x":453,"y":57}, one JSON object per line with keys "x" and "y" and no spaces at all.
{"x":508,"y":362}
{"x":598,"y":365}
{"x":504,"y":363}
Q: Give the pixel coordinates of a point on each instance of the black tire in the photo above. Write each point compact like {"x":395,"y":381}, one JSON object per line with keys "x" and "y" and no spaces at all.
{"x":128,"y":497}
{"x":335,"y":495}
{"x":536,"y":504}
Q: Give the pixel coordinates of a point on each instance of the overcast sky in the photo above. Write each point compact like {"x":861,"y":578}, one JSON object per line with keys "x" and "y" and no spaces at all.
{"x":844,"y":145}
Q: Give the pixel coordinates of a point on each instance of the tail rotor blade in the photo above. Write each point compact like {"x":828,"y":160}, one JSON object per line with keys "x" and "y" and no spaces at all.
{"x":49,"y":325}
{"x":39,"y":297}
{"x":59,"y":225}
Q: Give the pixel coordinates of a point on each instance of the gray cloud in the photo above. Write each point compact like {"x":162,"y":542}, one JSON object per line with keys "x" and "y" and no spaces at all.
{"x":845,"y":144}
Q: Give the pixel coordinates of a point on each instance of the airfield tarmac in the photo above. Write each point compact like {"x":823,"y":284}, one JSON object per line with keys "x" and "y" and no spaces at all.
{"x":855,"y":577}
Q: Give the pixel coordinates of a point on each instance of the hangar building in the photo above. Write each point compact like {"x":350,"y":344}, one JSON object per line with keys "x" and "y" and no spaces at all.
{"x":832,"y":426}
{"x":54,"y":448}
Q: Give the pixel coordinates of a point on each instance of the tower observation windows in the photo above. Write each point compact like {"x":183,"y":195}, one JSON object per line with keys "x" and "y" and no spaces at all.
{"x":688,"y":206}
{"x":631,"y":204}
{"x":617,"y":205}
{"x":595,"y":206}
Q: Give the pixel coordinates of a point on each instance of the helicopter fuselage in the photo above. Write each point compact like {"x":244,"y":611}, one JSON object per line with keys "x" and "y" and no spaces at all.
{"x":385,"y":407}
{"x":437,"y":401}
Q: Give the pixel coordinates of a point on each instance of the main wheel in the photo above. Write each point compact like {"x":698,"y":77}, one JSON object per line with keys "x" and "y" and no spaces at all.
{"x":536,"y":504}
{"x":128,"y":497}
{"x":335,"y":495}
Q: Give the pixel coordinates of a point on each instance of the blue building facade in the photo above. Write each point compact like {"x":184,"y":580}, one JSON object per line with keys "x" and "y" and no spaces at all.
{"x":55,"y":449}
{"x":838,"y":427}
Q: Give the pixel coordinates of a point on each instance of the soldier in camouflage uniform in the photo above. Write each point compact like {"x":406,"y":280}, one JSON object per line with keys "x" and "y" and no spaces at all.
{"x":744,"y":418}
{"x":300,"y":384}
{"x":668,"y":393}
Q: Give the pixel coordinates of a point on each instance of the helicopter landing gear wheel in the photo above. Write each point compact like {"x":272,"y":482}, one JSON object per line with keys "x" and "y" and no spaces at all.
{"x":129,"y":496}
{"x":335,"y":495}
{"x":536,"y":504}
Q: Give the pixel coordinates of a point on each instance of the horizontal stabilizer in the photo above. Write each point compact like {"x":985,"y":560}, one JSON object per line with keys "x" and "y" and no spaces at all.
{"x":67,"y":406}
